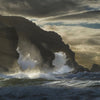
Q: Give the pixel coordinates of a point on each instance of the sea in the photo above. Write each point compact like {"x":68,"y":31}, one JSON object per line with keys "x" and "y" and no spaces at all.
{"x":58,"y":83}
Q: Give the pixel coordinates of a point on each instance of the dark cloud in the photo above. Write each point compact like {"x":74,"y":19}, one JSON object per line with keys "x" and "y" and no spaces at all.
{"x":47,"y":8}
{"x":38,"y":8}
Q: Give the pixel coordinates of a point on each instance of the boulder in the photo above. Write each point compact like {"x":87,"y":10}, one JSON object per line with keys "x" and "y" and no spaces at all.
{"x":95,"y":68}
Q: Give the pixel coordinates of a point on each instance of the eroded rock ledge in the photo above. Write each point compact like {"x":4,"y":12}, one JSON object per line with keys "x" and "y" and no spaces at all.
{"x":14,"y":30}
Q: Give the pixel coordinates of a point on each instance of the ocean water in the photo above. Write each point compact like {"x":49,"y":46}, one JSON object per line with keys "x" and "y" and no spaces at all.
{"x":59,"y":83}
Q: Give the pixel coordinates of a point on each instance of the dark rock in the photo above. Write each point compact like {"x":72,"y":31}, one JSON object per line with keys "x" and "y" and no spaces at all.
{"x":8,"y":45}
{"x":46,"y":42}
{"x":95,"y":68}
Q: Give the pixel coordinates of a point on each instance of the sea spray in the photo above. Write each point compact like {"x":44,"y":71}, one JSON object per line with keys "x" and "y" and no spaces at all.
{"x":60,"y":63}
{"x":29,"y":57}
{"x":32,"y":66}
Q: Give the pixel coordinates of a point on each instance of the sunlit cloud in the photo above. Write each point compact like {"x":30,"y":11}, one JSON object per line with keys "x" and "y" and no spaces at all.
{"x":84,"y":41}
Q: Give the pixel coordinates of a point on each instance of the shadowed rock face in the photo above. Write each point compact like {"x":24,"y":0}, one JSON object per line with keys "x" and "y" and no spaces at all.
{"x":46,"y":42}
{"x":8,"y":45}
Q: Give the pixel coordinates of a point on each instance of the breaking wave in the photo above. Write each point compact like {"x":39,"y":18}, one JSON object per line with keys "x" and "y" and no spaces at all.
{"x":30,"y":66}
{"x":50,"y":84}
{"x":56,"y":83}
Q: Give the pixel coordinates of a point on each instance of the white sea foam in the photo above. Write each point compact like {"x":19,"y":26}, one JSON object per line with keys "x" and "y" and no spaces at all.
{"x":30,"y":67}
{"x":60,"y":63}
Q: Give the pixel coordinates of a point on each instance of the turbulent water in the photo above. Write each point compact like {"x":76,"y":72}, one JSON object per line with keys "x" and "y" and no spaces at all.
{"x":30,"y":83}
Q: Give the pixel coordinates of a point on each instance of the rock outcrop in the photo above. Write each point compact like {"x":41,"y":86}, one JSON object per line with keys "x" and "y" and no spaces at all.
{"x":95,"y":68}
{"x":20,"y":29}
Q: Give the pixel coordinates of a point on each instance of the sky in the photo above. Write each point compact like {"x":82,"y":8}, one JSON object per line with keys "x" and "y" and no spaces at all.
{"x":77,"y":21}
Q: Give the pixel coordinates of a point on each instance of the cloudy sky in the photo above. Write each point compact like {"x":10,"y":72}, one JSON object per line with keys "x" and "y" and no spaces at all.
{"x":77,"y":21}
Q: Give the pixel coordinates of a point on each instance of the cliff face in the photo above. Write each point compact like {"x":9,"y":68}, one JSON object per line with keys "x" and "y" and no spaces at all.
{"x":8,"y":45}
{"x":18,"y":29}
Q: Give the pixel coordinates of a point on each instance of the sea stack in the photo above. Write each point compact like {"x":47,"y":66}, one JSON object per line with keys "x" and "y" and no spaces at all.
{"x":16,"y":30}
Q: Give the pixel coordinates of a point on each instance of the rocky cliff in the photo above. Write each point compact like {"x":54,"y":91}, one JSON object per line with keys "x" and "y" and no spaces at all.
{"x":8,"y":45}
{"x":15,"y":30}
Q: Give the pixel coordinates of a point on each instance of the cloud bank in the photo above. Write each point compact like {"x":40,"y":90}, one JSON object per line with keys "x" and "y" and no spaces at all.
{"x":37,"y":8}
{"x":85,"y":42}
{"x":47,"y":8}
